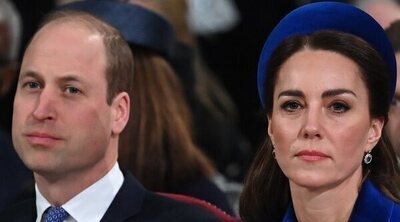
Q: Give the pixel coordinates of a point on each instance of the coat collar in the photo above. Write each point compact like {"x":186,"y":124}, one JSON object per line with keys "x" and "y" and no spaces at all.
{"x":371,"y":205}
{"x":131,"y":192}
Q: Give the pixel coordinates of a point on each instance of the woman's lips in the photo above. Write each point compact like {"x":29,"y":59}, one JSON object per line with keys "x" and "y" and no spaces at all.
{"x":311,"y":155}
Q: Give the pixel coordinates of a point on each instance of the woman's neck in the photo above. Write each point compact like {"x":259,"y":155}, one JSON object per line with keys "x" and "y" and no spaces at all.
{"x":331,"y":204}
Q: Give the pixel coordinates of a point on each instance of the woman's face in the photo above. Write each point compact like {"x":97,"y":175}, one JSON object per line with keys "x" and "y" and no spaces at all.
{"x":320,"y":124}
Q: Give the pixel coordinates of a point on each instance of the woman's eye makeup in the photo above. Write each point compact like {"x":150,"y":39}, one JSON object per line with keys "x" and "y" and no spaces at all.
{"x":338,"y":107}
{"x":291,"y":106}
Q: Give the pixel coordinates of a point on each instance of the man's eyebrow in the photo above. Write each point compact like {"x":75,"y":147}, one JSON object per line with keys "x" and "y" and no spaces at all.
{"x":70,"y":78}
{"x":62,"y":79}
{"x":32,"y":74}
{"x":335,"y":92}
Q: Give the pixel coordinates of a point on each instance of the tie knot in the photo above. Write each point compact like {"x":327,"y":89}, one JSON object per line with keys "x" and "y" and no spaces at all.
{"x":55,"y":214}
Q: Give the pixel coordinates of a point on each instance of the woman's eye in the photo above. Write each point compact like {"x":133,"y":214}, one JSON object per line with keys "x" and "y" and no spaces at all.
{"x":339,"y":107}
{"x":291,"y":106}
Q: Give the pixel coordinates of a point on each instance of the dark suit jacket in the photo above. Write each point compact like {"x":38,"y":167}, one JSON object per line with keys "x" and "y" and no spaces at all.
{"x":131,"y":204}
{"x":16,"y":181}
{"x":371,"y":206}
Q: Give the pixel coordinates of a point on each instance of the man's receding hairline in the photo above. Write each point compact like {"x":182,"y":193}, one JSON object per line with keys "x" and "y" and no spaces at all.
{"x":78,"y":20}
{"x":84,"y":20}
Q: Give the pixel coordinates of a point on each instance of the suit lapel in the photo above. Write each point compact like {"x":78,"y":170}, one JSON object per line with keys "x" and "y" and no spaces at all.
{"x":128,"y":201}
{"x":22,"y":212}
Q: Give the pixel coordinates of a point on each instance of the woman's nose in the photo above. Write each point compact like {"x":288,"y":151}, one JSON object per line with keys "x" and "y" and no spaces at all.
{"x":312,"y":124}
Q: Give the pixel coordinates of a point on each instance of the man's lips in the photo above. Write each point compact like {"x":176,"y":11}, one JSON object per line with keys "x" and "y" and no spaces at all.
{"x":311,"y":155}
{"x":43,"y":139}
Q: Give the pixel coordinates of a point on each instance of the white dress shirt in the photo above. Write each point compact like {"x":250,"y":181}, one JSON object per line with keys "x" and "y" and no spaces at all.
{"x":91,"y":204}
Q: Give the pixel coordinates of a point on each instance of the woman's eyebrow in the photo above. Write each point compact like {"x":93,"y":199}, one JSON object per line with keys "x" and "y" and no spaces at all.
{"x":296,"y":93}
{"x":335,"y":92}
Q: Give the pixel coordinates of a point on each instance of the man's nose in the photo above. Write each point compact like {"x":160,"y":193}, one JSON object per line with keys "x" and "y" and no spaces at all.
{"x":45,"y":105}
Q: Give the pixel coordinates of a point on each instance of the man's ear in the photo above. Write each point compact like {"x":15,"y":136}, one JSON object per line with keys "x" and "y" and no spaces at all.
{"x":374,"y":133}
{"x":120,"y":112}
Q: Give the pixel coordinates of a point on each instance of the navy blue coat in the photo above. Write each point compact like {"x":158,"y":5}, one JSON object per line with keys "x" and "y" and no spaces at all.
{"x":131,"y":204}
{"x":371,"y":206}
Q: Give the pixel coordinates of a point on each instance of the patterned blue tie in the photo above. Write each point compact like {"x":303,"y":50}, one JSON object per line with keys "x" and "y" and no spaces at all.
{"x":55,"y":214}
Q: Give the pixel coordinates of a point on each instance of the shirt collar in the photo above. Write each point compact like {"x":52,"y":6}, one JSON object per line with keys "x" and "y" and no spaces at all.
{"x":41,"y":204}
{"x":90,"y":204}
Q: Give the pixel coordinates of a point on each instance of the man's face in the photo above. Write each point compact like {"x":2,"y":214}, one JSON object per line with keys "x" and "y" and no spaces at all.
{"x":393,"y":125}
{"x":62,"y":122}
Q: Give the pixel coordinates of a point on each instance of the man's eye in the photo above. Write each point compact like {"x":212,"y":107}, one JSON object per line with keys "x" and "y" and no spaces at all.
{"x":72,"y":90}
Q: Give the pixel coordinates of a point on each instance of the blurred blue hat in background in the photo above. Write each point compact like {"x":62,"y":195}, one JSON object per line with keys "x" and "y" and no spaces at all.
{"x":137,"y":25}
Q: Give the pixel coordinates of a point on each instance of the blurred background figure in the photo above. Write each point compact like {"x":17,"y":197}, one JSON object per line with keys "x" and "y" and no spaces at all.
{"x":393,"y":125}
{"x":215,"y":116}
{"x":10,"y":39}
{"x":383,"y":11}
{"x":15,"y":178}
{"x":387,"y":14}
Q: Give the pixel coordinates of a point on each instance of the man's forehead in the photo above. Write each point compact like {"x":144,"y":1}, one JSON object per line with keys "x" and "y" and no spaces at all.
{"x":63,"y":26}
{"x":58,"y":34}
{"x":64,"y":48}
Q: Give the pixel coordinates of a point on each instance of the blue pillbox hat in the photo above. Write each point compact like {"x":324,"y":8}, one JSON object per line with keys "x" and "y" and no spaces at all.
{"x":333,"y":16}
{"x":132,"y":21}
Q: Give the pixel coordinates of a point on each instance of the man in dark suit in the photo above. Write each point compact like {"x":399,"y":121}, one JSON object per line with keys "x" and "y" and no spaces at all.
{"x":70,"y":106}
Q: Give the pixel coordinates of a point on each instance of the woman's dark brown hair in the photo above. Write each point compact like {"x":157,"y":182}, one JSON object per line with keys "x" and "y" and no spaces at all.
{"x":157,"y":144}
{"x":266,"y":193}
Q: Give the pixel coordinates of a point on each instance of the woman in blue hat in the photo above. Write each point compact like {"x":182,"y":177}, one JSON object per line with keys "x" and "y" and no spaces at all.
{"x":326,"y":77}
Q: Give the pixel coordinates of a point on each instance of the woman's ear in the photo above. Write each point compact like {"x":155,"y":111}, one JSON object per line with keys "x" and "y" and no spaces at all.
{"x":120,"y":112}
{"x":375,"y":133}
{"x":270,"y":131}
